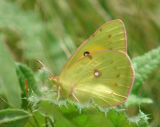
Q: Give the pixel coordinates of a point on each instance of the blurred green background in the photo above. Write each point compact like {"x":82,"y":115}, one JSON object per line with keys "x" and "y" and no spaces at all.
{"x":51,"y":30}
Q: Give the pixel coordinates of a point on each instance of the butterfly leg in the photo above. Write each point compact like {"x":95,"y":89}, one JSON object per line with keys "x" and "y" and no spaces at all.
{"x":58,"y":92}
{"x":73,"y":95}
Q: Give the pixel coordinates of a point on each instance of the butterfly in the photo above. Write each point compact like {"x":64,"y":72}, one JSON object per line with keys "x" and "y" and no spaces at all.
{"x":100,"y":69}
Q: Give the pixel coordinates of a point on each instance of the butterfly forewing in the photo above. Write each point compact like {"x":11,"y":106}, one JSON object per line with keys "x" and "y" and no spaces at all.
{"x":106,"y":78}
{"x":111,"y":35}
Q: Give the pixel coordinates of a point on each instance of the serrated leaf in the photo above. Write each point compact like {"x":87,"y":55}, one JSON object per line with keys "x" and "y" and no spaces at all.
{"x":143,"y":66}
{"x":68,"y":114}
{"x":137,"y":100}
{"x":141,"y":119}
{"x":13,"y":117}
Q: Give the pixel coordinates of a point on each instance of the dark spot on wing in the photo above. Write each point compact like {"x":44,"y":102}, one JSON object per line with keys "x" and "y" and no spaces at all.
{"x":115,"y":84}
{"x":118,"y":75}
{"x":111,"y":61}
{"x":100,"y":30}
{"x":109,"y":36}
{"x":86,"y":53}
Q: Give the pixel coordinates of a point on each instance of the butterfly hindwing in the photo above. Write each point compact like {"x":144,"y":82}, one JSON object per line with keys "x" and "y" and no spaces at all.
{"x":105,"y":76}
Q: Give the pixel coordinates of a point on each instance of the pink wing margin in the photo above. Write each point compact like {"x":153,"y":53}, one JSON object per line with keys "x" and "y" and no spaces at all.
{"x":125,"y":38}
{"x":131,"y":82}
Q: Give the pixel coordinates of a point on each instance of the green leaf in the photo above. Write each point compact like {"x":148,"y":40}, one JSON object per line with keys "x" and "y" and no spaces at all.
{"x":69,"y":114}
{"x":9,"y":86}
{"x":40,"y":120}
{"x":136,"y":100}
{"x":25,"y":73}
{"x":141,"y":119}
{"x":143,"y":66}
{"x":13,"y":118}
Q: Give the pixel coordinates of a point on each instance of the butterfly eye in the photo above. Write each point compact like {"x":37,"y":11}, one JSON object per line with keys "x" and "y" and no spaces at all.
{"x":86,"y":53}
{"x":97,"y":73}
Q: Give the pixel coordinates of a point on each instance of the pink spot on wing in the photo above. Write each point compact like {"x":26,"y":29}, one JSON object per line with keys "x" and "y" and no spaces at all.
{"x":97,"y":73}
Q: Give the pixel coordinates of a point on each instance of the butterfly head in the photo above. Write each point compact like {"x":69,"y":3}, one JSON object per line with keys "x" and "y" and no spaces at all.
{"x":54,"y":80}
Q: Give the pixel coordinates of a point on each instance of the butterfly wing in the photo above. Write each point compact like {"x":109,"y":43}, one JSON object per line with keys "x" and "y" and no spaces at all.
{"x":111,"y":35}
{"x":106,"y":77}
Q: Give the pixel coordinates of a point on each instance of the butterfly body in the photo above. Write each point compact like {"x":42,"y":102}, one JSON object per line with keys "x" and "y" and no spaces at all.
{"x":100,"y":69}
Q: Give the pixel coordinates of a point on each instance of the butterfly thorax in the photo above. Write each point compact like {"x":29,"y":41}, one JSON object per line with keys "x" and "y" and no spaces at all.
{"x":56,"y":82}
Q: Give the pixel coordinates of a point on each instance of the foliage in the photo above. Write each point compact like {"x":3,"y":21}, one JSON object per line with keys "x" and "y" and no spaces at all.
{"x":142,"y":69}
{"x":75,"y":115}
{"x":8,"y":81}
{"x":32,"y":29}
{"x":13,"y":117}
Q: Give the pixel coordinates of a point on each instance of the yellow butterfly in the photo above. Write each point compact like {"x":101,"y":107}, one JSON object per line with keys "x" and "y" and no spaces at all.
{"x":100,"y":69}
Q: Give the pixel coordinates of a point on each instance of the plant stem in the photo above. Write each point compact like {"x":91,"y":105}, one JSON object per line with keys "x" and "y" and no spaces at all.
{"x":46,"y":121}
{"x":31,"y":123}
{"x":50,"y":121}
{"x":35,"y":119}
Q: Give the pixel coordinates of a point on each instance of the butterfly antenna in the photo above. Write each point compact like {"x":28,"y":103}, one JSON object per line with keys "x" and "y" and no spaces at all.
{"x":46,"y":68}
